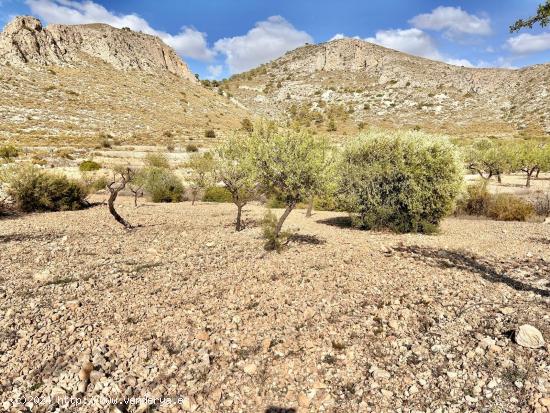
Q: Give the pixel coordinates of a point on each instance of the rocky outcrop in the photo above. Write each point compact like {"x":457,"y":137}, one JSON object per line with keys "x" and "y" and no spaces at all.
{"x":25,"y":41}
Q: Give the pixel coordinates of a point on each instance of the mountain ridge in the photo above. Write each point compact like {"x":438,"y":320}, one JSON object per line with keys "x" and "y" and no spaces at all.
{"x":76,"y":84}
{"x":24,"y":40}
{"x":384,"y":87}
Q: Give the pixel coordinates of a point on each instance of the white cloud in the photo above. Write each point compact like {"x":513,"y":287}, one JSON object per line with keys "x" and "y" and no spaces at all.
{"x":460,"y":62}
{"x":188,"y":42}
{"x":268,"y":40}
{"x":453,"y":20}
{"x":337,"y":36}
{"x":529,"y":43}
{"x":412,"y":41}
{"x":215,"y":70}
{"x":416,"y":42}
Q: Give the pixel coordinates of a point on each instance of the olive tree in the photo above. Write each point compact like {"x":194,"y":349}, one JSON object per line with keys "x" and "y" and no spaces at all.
{"x":234,"y":167}
{"x":289,"y":164}
{"x":403,"y":181}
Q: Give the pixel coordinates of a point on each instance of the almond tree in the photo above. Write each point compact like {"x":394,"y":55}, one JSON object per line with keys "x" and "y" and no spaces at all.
{"x":531,"y":157}
{"x":121,"y":178}
{"x":201,"y":166}
{"x":137,"y":183}
{"x":234,"y":167}
{"x":488,"y":159}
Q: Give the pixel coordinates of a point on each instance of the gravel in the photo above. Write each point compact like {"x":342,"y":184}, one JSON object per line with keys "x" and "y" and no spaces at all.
{"x":185,"y":314}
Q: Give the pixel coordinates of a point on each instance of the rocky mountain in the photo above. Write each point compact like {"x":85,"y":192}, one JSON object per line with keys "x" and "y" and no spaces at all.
{"x":24,"y":41}
{"x":74,"y":84}
{"x":345,"y":85}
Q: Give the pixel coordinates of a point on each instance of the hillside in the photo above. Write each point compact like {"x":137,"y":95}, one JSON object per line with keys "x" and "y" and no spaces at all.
{"x":75,"y":84}
{"x":357,"y":84}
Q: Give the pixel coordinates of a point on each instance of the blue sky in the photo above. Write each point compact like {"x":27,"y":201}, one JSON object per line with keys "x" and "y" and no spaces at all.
{"x":220,"y":37}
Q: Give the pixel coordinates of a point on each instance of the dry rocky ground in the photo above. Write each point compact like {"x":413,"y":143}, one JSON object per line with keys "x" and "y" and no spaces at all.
{"x":342,"y":321}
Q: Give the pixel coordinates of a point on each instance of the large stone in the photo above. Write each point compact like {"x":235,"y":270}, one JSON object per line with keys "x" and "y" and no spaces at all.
{"x":529,"y":336}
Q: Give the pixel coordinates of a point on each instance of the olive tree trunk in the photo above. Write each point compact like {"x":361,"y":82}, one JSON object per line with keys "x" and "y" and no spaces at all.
{"x":309,"y":207}
{"x":282,"y":219}
{"x":238,"y":223}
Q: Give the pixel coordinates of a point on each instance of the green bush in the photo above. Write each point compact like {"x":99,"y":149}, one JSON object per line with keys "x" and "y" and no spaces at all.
{"x":157,"y":160}
{"x":275,"y":201}
{"x":217,"y":194}
{"x":402,"y":181}
{"x":508,"y":207}
{"x":99,"y":183}
{"x":327,"y":202}
{"x":162,"y":185}
{"x":8,"y":152}
{"x":502,"y":207}
{"x":88,"y":166}
{"x":210,"y":134}
{"x":35,"y":190}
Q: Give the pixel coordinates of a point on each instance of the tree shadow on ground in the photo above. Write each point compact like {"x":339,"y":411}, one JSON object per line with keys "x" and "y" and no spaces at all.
{"x":306,"y":239}
{"x":477,"y":265}
{"x":541,"y":240}
{"x":28,"y":237}
{"x":272,"y":409}
{"x":340,"y":222}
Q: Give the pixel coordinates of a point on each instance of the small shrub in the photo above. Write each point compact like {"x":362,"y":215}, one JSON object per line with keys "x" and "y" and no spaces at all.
{"x":88,"y":166}
{"x":246,"y":125}
{"x":8,"y":152}
{"x":217,"y":194}
{"x":191,"y":148}
{"x":275,"y":202}
{"x":106,"y":143}
{"x":475,"y":200}
{"x":508,"y":207}
{"x":94,"y":181}
{"x":162,"y":185}
{"x":210,"y":134}
{"x":542,"y":204}
{"x":327,"y":202}
{"x":64,"y":154}
{"x":35,"y":190}
{"x":99,"y":183}
{"x":273,"y":241}
{"x":157,"y":160}
{"x":38,"y":160}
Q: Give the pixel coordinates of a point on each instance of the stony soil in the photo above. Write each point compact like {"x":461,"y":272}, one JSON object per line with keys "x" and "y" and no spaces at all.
{"x":342,"y":321}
